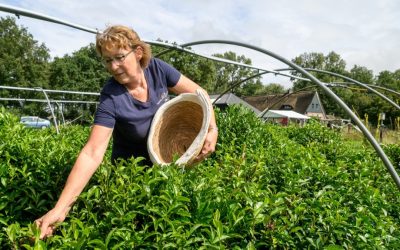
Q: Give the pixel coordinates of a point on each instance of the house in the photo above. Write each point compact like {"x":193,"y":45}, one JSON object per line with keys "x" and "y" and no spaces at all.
{"x":305,"y":102}
{"x":284,"y":117}
{"x":229,"y":99}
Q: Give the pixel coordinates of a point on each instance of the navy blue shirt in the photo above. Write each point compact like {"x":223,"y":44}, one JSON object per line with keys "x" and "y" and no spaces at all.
{"x":131,"y":118}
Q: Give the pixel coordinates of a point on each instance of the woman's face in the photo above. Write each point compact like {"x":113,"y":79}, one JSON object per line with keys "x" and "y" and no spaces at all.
{"x":123,"y":64}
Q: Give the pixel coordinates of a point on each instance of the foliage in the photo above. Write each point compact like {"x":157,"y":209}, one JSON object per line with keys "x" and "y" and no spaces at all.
{"x":331,"y":62}
{"x":358,"y":98}
{"x":362,"y":74}
{"x":81,"y":71}
{"x":23,"y":62}
{"x":389,"y":79}
{"x":215,"y":77}
{"x":265,"y":187}
{"x":230,"y":75}
{"x":272,"y":89}
{"x":393,"y":152}
{"x":200,"y":70}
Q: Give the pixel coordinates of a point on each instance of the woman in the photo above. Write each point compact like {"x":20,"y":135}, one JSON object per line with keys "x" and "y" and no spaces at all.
{"x":138,"y":87}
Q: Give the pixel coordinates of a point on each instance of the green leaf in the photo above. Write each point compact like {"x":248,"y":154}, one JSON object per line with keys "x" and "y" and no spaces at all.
{"x":333,"y":247}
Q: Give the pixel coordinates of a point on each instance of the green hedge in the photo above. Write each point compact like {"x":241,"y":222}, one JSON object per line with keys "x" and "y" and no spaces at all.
{"x":266,"y":186}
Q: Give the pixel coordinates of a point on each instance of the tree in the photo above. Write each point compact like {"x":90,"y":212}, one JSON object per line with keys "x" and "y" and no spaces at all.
{"x":274,"y":88}
{"x":199,"y":69}
{"x":230,"y":74}
{"x":362,"y":74}
{"x":357,"y":97}
{"x":389,"y":79}
{"x":81,"y":71}
{"x":332,"y":63}
{"x":23,"y":62}
{"x":213,"y":76}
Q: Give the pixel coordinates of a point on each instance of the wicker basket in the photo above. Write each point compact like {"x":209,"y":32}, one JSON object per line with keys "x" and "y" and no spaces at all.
{"x":179,"y":128}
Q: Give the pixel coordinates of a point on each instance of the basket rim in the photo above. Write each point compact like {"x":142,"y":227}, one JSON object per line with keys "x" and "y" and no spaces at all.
{"x":186,"y":158}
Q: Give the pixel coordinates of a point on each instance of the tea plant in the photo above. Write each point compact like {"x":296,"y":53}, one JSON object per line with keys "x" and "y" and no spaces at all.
{"x":266,"y":187}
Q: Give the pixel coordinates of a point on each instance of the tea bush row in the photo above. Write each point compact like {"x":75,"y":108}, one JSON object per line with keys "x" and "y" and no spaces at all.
{"x":265,"y":187}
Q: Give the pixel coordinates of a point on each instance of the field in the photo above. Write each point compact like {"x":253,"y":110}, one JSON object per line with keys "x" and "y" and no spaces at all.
{"x":266,"y":187}
{"x":386,"y":136}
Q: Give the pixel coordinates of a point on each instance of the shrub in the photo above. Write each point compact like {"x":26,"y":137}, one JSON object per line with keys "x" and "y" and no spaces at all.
{"x":265,"y":187}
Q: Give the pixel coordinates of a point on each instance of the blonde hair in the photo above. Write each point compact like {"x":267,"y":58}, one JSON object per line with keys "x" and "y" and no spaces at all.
{"x":122,"y":37}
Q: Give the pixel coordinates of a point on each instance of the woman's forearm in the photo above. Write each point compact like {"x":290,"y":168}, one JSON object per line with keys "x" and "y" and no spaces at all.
{"x":79,"y":176}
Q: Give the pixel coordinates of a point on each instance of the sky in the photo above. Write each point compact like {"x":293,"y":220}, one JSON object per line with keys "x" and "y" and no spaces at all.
{"x":363,"y":32}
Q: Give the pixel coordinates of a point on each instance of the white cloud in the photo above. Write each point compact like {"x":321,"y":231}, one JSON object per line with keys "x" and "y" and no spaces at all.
{"x":363,"y":32}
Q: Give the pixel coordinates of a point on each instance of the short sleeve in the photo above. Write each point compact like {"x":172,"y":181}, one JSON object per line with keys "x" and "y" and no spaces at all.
{"x":105,"y":114}
{"x":172,"y":75}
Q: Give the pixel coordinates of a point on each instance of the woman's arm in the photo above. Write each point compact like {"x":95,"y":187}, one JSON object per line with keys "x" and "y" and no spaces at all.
{"x":185,"y":85}
{"x":86,"y":164}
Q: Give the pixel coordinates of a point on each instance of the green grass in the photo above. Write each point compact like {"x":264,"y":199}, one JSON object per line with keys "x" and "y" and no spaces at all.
{"x":388,"y":136}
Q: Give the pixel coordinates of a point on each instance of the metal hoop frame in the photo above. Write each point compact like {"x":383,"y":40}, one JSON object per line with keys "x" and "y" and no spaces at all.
{"x":293,"y":66}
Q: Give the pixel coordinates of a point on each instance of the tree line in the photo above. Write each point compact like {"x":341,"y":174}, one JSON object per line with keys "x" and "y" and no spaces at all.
{"x":26,"y":63}
{"x":366,"y":104}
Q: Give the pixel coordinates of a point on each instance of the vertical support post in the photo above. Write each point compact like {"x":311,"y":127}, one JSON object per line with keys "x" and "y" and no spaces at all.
{"x":51,"y":108}
{"x":60,"y":110}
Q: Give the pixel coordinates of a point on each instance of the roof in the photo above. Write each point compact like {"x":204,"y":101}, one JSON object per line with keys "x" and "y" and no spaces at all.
{"x":285,"y":113}
{"x":298,"y":101}
{"x":230,"y":98}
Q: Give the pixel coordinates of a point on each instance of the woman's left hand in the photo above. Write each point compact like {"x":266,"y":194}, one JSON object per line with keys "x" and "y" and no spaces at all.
{"x":209,"y":144}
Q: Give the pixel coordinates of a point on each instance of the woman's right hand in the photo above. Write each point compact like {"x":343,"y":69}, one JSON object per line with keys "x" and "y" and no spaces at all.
{"x":47,"y":223}
{"x":86,"y":164}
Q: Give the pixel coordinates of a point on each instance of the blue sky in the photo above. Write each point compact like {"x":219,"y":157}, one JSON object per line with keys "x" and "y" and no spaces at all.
{"x":362,"y":32}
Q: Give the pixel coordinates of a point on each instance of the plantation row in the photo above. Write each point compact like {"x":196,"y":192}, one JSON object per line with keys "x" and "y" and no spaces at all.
{"x":265,"y":187}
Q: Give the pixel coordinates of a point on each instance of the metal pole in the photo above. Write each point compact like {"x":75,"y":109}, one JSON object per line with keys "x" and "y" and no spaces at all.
{"x":372,"y":86}
{"x":237,"y":84}
{"x":32,"y":14}
{"x":50,"y":90}
{"x":351,"y":80}
{"x":339,"y":101}
{"x":60,"y":110}
{"x":42,"y":100}
{"x":51,"y":109}
{"x":22,"y":12}
{"x":299,"y":69}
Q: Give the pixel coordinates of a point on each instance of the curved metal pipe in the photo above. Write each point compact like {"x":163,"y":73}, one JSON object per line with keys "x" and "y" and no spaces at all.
{"x":294,"y":66}
{"x":351,"y":80}
{"x":237,"y":84}
{"x":217,"y":59}
{"x":163,"y":52}
{"x":339,"y":101}
{"x":286,"y":95}
{"x":23,"y":12}
{"x":51,"y":90}
{"x":343,"y":85}
{"x":386,"y":89}
{"x":358,"y":83}
{"x":372,"y":86}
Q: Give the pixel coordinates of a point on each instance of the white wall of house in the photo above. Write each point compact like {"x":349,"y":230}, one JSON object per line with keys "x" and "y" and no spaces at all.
{"x":315,"y":108}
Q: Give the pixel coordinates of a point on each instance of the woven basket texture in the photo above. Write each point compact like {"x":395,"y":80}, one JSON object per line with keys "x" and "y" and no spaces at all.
{"x":176,"y":130}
